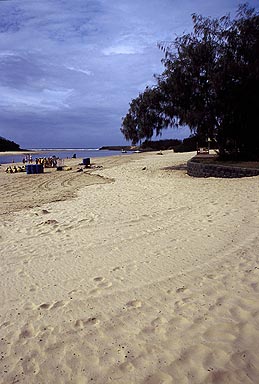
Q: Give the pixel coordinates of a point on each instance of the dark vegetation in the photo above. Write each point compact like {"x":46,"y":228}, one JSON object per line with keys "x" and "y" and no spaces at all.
{"x":7,"y":145}
{"x":186,"y":145}
{"x":210,"y":82}
{"x":115,"y":148}
{"x":160,"y":144}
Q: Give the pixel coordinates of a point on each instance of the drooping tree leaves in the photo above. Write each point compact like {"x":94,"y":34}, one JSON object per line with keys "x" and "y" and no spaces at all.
{"x":210,"y":83}
{"x":144,"y":116}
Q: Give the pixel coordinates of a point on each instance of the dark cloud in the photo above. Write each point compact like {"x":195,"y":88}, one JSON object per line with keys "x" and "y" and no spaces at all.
{"x":68,"y":70}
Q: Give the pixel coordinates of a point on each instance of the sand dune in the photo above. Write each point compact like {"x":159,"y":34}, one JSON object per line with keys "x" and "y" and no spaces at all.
{"x":139,"y":275}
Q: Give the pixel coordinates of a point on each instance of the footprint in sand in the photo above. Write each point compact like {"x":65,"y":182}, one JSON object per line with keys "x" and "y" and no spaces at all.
{"x":29,"y":306}
{"x":82,"y":323}
{"x":119,"y":278}
{"x":116,"y":276}
{"x":58,"y":304}
{"x":45,"y":211}
{"x":27,"y":331}
{"x":30,"y":364}
{"x":33,"y":288}
{"x":182,"y":289}
{"x":101,"y":284}
{"x":127,"y":366}
{"x":95,"y":291}
{"x":44,"y":306}
{"x":51,"y":221}
{"x":55,"y":305}
{"x":159,"y":377}
{"x":105,"y":284}
{"x":134,"y":304}
{"x":131,"y":267}
{"x":74,"y":291}
{"x":43,"y":227}
{"x":178,"y":290}
{"x":255,"y":287}
{"x":21,"y":273}
{"x":158,"y":321}
{"x":100,"y":278}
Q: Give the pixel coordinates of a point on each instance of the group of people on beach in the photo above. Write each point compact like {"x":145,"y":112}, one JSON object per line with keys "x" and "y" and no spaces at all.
{"x":15,"y":169}
{"x":27,"y":159}
{"x":48,"y":162}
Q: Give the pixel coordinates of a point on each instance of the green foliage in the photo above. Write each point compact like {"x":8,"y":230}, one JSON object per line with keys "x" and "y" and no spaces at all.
{"x":189,"y":144}
{"x":144,"y":116}
{"x":160,"y":144}
{"x":7,"y":145}
{"x":210,"y":83}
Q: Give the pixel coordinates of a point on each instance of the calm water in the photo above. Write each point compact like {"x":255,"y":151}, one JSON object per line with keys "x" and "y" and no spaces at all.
{"x":62,"y":154}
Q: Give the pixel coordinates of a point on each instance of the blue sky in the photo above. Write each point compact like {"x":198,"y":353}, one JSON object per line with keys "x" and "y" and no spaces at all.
{"x":69,"y":69}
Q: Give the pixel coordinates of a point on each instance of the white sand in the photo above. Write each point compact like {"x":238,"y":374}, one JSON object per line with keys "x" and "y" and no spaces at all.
{"x":149,"y":277}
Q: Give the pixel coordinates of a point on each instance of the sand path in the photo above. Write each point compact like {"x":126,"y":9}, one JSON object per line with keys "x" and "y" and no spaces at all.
{"x":152,"y":277}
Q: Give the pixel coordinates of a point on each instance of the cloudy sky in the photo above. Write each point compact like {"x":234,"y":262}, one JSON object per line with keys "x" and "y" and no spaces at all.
{"x":68,"y":69}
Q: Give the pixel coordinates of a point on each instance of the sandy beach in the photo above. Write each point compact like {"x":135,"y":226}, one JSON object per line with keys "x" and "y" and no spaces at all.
{"x":129,"y":272}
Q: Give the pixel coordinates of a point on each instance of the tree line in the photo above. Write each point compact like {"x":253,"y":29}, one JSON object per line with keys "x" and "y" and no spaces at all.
{"x":210,"y":82}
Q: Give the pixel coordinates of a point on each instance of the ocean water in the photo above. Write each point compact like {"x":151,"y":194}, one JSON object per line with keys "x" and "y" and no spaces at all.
{"x":61,"y":153}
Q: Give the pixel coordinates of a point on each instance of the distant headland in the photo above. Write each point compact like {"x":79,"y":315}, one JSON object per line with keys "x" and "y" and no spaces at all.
{"x":117,"y":148}
{"x":186,"y":145}
{"x":8,"y":145}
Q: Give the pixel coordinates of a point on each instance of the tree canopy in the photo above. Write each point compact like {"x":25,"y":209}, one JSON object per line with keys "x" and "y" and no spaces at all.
{"x":210,"y":82}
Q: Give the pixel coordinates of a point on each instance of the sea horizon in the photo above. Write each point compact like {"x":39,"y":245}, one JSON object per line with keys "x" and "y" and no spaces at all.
{"x":62,"y":149}
{"x":62,"y":153}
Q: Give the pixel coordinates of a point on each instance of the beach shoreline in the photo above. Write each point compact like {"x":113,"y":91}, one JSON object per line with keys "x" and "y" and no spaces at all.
{"x":129,"y":272}
{"x":25,"y":152}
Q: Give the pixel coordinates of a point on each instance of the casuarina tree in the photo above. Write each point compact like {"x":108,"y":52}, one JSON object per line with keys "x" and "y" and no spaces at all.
{"x":210,"y":82}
